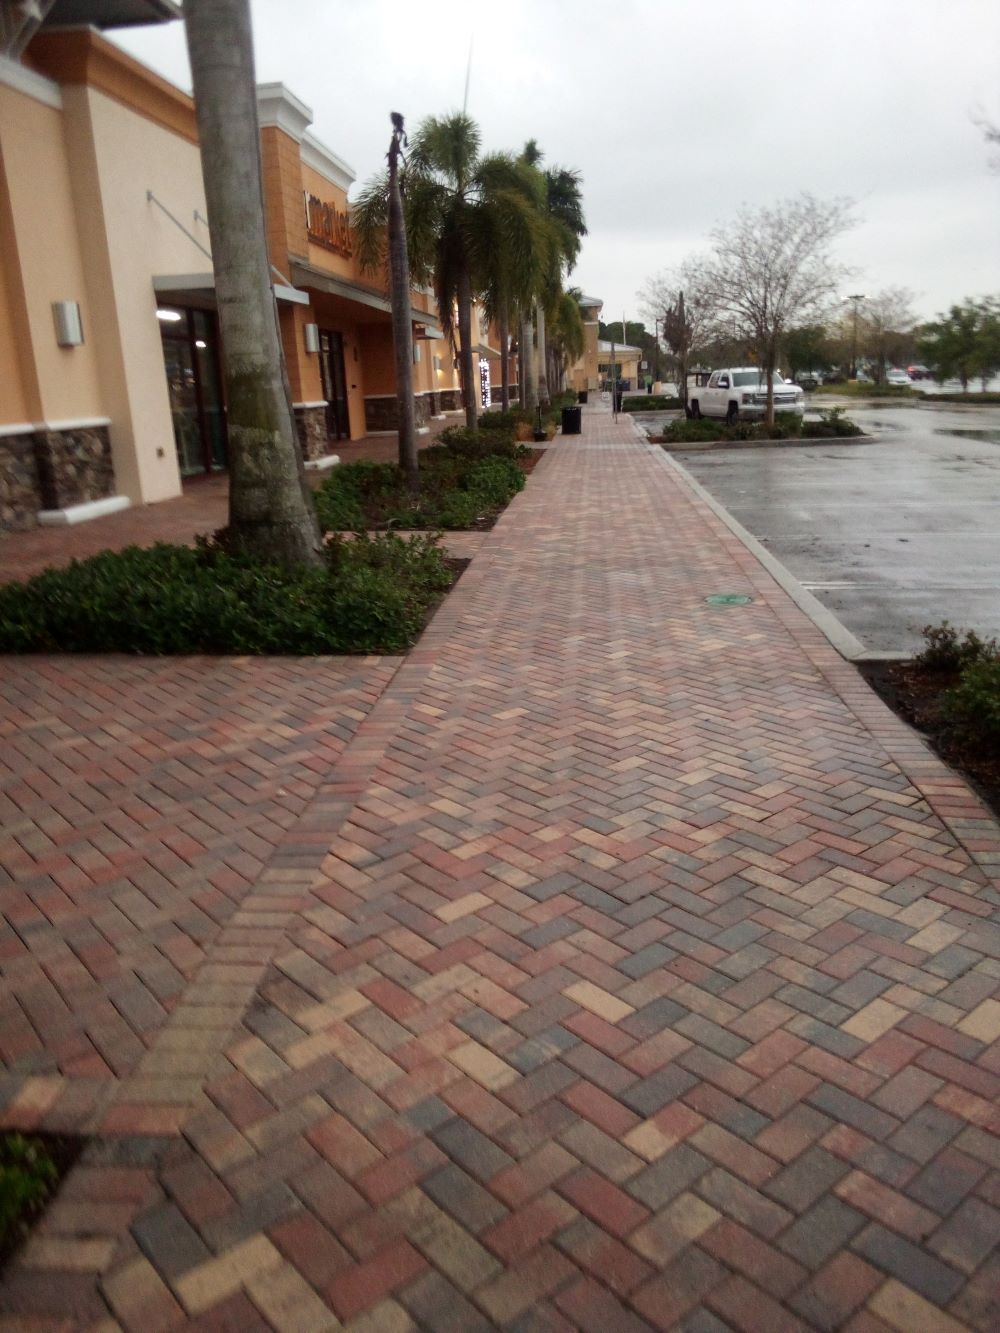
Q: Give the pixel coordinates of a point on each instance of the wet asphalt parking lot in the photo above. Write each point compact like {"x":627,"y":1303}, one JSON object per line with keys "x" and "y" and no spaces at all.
{"x":890,"y":533}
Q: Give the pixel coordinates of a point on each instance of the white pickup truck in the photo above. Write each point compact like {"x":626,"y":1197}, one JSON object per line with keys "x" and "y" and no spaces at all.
{"x":742,"y":392}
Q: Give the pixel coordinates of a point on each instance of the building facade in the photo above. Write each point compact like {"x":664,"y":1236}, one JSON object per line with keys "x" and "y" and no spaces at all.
{"x":112,"y":389}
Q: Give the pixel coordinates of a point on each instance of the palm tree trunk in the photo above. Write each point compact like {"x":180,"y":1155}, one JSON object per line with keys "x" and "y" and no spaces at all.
{"x":526,"y":342}
{"x":465,"y":352}
{"x":543,"y":363}
{"x":271,"y":513}
{"x":402,"y":326}
{"x":504,"y":328}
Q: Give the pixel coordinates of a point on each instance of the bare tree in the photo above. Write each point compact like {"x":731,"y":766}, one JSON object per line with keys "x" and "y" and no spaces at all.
{"x":684,"y":308}
{"x":773,"y":268}
{"x":886,"y":327}
{"x":271,"y":513}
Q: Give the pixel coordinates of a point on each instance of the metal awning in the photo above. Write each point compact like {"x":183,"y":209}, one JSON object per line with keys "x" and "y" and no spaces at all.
{"x":307,"y":275}
{"x":202,"y":282}
{"x":110,"y":13}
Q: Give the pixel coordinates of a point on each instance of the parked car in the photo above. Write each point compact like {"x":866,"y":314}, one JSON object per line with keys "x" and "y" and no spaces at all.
{"x":898,"y":378}
{"x":809,"y":379}
{"x":742,"y":392}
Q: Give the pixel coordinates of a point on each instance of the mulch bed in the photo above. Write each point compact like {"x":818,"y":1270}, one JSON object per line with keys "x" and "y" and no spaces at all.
{"x":915,"y":695}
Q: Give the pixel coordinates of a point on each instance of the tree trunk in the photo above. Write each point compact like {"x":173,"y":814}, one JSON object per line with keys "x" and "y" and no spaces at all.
{"x":529,"y":383}
{"x":771,"y":356}
{"x":543,"y":362}
{"x":504,"y":329}
{"x":469,"y":387}
{"x":402,"y":325}
{"x":271,"y":512}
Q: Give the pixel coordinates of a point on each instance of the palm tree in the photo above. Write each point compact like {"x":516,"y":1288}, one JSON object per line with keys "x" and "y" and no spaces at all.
{"x":562,"y":208}
{"x":509,"y":261}
{"x":271,"y":513}
{"x":379,"y":223}
{"x":566,"y":334}
{"x":453,"y":199}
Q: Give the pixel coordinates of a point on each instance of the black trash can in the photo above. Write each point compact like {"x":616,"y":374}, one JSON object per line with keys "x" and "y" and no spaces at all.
{"x":571,"y":420}
{"x":581,"y":396}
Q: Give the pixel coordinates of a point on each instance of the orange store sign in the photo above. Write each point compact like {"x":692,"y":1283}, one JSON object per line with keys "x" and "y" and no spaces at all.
{"x":328,"y":226}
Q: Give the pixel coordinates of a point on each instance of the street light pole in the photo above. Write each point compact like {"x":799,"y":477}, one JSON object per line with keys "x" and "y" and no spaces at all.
{"x":857,"y":299}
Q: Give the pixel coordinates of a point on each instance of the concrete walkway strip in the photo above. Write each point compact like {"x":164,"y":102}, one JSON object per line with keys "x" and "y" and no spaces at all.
{"x":624,"y":964}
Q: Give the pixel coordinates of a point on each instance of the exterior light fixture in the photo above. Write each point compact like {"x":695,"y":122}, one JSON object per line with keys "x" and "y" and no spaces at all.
{"x":69,"y":327}
{"x":437,"y":363}
{"x":311,"y":334}
{"x":169,"y":316}
{"x":200,"y":343}
{"x":416,"y":354}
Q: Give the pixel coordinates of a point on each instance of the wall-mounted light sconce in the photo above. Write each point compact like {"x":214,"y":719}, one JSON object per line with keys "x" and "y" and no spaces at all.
{"x":69,"y":326}
{"x":455,"y":363}
{"x":311,"y":332}
{"x":416,"y":354}
{"x":437,"y":363}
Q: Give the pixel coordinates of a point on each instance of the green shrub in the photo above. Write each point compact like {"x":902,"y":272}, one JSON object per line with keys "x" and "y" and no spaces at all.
{"x":468,"y":476}
{"x":787,"y":426}
{"x":372,"y":596}
{"x":972,"y":708}
{"x":833,"y":424}
{"x":28,"y":1176}
{"x":465,"y":443}
{"x":949,"y":651}
{"x":649,"y":402}
{"x":508,"y":420}
{"x":494,"y":480}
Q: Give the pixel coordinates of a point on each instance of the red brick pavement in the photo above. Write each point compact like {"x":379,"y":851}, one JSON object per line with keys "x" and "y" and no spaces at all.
{"x":650,"y":978}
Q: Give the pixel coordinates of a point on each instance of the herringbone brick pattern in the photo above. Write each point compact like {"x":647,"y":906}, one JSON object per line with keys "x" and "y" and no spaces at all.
{"x":141,"y":801}
{"x":650,"y":979}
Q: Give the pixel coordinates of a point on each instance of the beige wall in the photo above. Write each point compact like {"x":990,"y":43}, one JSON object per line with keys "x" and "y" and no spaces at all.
{"x":17,"y":407}
{"x":43,"y":261}
{"x":117,"y":156}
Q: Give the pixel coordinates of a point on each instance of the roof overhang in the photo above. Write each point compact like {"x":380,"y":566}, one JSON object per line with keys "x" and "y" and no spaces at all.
{"x":205,"y":282}
{"x":110,"y":13}
{"x":307,"y":275}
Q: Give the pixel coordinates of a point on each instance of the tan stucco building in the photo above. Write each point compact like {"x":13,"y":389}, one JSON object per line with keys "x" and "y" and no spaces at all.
{"x":112,"y":391}
{"x":593,"y":369}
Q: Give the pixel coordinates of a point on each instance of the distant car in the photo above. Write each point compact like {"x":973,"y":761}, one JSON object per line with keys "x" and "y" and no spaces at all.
{"x":898,"y":378}
{"x":741,"y":392}
{"x":810,"y":379}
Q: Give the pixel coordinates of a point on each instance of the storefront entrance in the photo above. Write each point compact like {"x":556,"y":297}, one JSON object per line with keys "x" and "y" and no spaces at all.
{"x":191,"y":354}
{"x":331,"y":365}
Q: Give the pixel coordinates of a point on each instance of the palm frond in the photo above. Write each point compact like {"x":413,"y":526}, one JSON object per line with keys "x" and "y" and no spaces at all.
{"x":369,"y":218}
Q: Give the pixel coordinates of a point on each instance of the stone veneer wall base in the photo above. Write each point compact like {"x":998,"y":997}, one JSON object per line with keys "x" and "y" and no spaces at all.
{"x":55,"y":469}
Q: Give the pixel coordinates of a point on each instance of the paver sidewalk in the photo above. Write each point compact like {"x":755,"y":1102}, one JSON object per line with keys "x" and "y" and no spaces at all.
{"x":650,"y":979}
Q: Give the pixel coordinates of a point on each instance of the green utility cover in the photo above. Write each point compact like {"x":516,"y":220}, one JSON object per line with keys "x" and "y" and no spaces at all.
{"x":728,"y":599}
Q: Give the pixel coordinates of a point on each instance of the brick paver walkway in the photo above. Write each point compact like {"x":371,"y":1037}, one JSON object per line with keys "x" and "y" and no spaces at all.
{"x":649,"y":978}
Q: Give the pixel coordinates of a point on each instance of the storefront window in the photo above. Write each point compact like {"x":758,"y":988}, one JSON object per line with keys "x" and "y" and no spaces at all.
{"x":191,"y":357}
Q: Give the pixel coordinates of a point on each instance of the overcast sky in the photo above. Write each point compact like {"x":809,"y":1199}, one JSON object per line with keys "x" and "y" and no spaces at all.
{"x":677,"y":113}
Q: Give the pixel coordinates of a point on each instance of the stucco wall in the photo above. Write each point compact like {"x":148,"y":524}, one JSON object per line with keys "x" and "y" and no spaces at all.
{"x":14,"y":402}
{"x":117,"y":156}
{"x":43,"y":259}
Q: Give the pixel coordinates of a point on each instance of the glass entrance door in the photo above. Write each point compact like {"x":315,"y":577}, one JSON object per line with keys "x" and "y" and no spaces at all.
{"x":331,"y":365}
{"x":194,"y":382}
